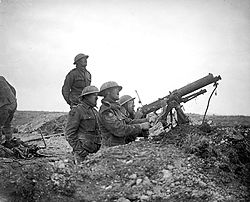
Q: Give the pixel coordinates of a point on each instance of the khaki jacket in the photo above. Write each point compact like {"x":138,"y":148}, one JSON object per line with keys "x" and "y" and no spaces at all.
{"x":76,"y":80}
{"x":82,"y":126}
{"x":113,"y":124}
{"x":7,"y":93}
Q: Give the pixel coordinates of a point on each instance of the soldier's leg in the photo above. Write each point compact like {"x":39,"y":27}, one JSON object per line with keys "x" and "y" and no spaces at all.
{"x":79,"y":152}
{"x":3,"y":117}
{"x":7,"y":125}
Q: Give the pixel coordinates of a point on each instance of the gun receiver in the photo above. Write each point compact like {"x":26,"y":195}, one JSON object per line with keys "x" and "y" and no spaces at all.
{"x":177,"y":95}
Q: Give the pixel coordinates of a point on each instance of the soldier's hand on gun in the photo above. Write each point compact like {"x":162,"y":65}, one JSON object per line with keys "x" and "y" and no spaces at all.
{"x":145,"y":125}
{"x":138,"y":114}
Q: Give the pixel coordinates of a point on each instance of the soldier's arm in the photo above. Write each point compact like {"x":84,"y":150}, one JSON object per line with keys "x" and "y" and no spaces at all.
{"x":118,"y":127}
{"x":12,"y":88}
{"x":88,"y":79}
{"x":67,"y":87}
{"x":137,"y":121}
{"x":72,"y":126}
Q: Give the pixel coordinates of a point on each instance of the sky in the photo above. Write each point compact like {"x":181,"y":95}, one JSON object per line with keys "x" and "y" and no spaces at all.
{"x":152,"y":46}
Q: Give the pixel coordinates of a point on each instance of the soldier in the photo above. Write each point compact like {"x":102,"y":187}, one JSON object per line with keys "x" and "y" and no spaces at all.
{"x":82,"y":130}
{"x":76,"y":80}
{"x":8,"y":105}
{"x":114,"y":128}
{"x":132,"y":117}
{"x":128,"y":107}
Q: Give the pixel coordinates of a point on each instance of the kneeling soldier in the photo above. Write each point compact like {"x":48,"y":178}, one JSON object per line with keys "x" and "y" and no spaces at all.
{"x":82,"y":130}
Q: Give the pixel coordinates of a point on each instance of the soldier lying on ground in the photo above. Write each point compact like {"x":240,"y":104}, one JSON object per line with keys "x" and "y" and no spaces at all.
{"x":114,"y":128}
{"x":82,"y":130}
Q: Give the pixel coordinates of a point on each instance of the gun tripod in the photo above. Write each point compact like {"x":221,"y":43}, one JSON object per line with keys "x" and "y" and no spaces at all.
{"x":170,"y":110}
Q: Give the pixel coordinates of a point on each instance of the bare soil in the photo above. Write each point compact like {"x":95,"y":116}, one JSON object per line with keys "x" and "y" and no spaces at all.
{"x":188,"y":163}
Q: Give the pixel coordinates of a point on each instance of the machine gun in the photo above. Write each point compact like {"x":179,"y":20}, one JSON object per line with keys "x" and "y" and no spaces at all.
{"x":175,"y":98}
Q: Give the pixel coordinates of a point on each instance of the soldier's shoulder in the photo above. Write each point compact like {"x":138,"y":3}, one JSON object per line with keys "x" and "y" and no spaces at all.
{"x":72,"y":71}
{"x":2,"y":79}
{"x":74,"y":110}
{"x":82,"y":107}
{"x":105,"y":106}
{"x":108,"y":115}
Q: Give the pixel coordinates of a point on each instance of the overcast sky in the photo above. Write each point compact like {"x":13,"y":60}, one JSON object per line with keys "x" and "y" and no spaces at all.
{"x":152,"y":46}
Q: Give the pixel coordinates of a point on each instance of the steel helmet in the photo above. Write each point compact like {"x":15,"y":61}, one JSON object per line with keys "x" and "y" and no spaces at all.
{"x":108,"y":85}
{"x":80,"y":56}
{"x":89,"y":90}
{"x":124,"y":99}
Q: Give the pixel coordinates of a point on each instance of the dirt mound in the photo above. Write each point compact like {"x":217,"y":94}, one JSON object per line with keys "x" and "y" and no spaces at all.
{"x":28,"y":122}
{"x":53,"y":126}
{"x":225,"y":149}
{"x":188,"y":163}
{"x":141,"y":171}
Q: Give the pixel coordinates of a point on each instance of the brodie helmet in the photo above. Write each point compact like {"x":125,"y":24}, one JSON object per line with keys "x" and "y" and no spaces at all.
{"x":108,"y":85}
{"x":80,"y":56}
{"x":89,"y":90}
{"x":124,"y":99}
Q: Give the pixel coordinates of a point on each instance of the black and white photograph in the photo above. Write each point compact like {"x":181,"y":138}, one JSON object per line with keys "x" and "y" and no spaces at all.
{"x":124,"y":100}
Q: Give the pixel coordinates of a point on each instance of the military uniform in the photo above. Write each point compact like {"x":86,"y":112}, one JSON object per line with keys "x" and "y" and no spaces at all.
{"x":129,"y":119}
{"x":114,"y":125}
{"x":82,"y":130}
{"x":8,"y":105}
{"x":76,"y":80}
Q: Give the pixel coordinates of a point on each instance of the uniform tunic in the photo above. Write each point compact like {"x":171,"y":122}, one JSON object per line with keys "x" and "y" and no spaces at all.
{"x":82,"y":130}
{"x":114,"y":128}
{"x":76,"y":80}
{"x":129,"y":119}
{"x":8,"y":105}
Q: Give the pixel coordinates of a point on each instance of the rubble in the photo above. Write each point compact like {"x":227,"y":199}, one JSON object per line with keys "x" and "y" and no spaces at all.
{"x":185,"y":163}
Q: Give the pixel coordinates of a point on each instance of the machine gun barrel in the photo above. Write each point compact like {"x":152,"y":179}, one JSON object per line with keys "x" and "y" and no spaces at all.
{"x":177,"y":94}
{"x":189,"y":88}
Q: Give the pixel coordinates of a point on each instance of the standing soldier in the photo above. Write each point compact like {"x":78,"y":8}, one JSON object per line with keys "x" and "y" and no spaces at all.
{"x":8,"y":105}
{"x":114,"y":128}
{"x":76,"y":80}
{"x":82,"y":130}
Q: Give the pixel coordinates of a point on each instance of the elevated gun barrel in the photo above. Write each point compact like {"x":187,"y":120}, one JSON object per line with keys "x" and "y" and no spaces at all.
{"x":177,"y":94}
{"x":189,"y":88}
